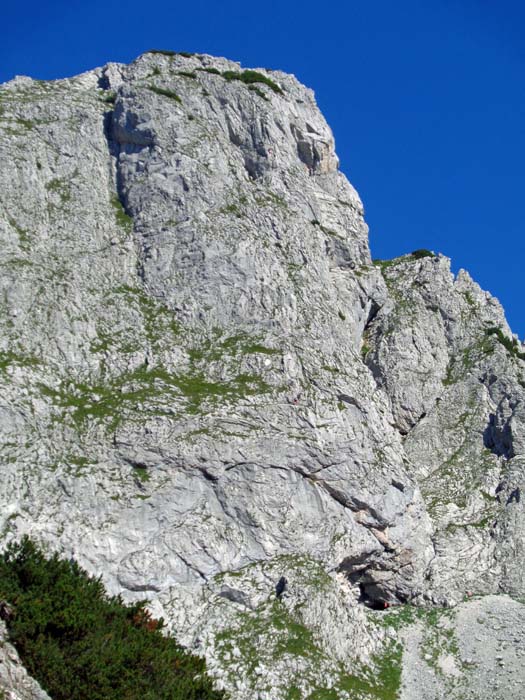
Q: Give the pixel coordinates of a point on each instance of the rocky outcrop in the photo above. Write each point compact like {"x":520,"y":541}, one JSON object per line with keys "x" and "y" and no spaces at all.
{"x":208,"y":385}
{"x":443,"y":352}
{"x":15,"y":682}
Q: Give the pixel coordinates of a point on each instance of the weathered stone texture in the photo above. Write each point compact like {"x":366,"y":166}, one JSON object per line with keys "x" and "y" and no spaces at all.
{"x":207,"y":383}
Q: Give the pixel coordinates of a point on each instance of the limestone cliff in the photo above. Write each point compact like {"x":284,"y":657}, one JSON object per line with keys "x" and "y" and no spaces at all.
{"x":207,"y":384}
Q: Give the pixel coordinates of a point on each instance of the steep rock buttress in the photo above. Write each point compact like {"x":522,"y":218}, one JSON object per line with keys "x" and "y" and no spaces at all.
{"x":207,"y":384}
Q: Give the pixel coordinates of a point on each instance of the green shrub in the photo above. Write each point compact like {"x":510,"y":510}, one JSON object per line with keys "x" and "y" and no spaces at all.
{"x":165,"y":93}
{"x":81,"y":644}
{"x":251,"y":76}
{"x":163,"y":52}
{"x":123,"y":219}
{"x":109,"y":97}
{"x":422,"y":253}
{"x":256,"y":90}
{"x":213,"y":71}
{"x":510,"y":344}
{"x":415,"y":255}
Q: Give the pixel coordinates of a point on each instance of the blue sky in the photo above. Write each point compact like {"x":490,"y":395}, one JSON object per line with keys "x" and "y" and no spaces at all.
{"x":426,"y":101}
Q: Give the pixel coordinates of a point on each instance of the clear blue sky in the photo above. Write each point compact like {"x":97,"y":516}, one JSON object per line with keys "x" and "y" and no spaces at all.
{"x":426,"y":100}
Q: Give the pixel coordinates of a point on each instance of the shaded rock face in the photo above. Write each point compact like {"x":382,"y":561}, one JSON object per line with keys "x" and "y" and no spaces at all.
{"x":203,"y":374}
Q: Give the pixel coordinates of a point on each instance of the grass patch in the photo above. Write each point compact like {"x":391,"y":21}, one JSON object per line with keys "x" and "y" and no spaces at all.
{"x":382,"y":681}
{"x":459,"y":366}
{"x":257,"y":91}
{"x":26,"y":123}
{"x":249,"y":77}
{"x":396,"y":618}
{"x":165,"y":93}
{"x":234,"y":346}
{"x":156,"y":390}
{"x":123,"y":220}
{"x":159,"y":321}
{"x":273,"y":623}
{"x":274,"y":635}
{"x":439,"y":639}
{"x":146,"y":391}
{"x":9,"y":358}
{"x":385,"y":264}
{"x":23,"y":234}
{"x":415,"y":255}
{"x":213,"y":71}
{"x":60,"y":187}
{"x":231,"y":209}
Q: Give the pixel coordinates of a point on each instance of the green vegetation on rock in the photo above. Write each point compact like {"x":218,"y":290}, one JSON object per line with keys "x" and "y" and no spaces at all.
{"x":80,"y":644}
{"x":213,"y":71}
{"x":422,"y":253}
{"x":109,"y":97}
{"x":510,"y":344}
{"x":251,"y":76}
{"x":256,"y":90}
{"x":146,"y":391}
{"x":162,"y":52}
{"x":380,"y":681}
{"x":124,"y":220}
{"x":415,"y":255}
{"x":276,"y":635}
{"x":61,"y":188}
{"x":9,"y":358}
{"x":165,"y":92}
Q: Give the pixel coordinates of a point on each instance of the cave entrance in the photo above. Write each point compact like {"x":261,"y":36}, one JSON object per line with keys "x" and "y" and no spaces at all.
{"x":372,"y":601}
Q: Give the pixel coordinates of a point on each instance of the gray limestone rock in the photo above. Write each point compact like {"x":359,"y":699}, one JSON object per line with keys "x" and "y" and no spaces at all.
{"x":207,"y":384}
{"x":15,"y":682}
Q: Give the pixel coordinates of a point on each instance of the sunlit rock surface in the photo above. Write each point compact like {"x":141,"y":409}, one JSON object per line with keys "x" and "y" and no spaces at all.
{"x":207,"y":384}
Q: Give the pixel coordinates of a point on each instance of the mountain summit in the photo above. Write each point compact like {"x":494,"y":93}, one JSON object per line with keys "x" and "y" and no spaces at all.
{"x":210,"y":390}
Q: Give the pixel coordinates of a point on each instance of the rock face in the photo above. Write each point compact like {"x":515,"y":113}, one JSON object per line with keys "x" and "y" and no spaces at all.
{"x":207,"y":384}
{"x":15,"y":683}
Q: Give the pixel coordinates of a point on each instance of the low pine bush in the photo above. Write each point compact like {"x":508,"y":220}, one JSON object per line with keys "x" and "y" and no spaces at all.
{"x":510,"y":344}
{"x":422,"y":253}
{"x":250,"y":77}
{"x":81,"y":644}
